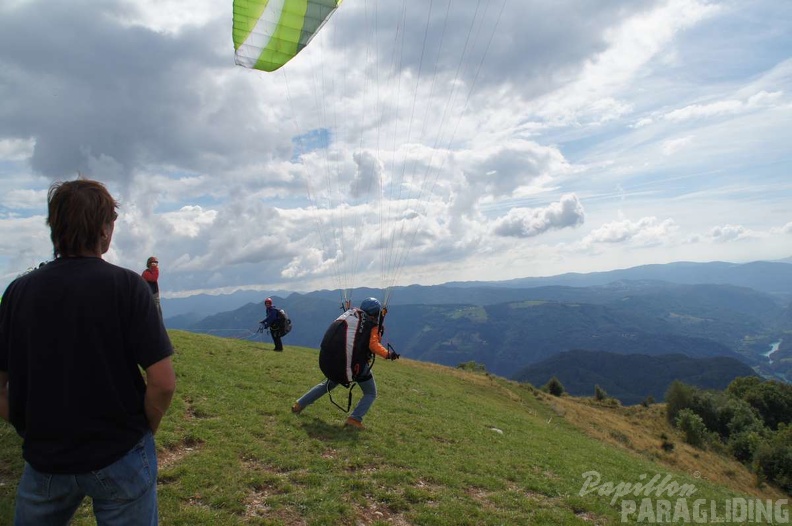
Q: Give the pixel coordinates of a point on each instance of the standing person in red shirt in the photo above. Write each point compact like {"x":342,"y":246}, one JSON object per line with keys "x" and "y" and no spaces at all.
{"x":151,"y":275}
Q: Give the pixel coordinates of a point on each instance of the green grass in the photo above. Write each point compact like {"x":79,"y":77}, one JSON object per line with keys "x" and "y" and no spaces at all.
{"x":442,"y":447}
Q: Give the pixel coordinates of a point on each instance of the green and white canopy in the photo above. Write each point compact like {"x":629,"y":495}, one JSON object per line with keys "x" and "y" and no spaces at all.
{"x":269,"y":33}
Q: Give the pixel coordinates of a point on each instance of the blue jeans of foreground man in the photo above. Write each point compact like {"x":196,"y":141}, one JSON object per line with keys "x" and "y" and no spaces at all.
{"x":124,"y":493}
{"x":369,"y":388}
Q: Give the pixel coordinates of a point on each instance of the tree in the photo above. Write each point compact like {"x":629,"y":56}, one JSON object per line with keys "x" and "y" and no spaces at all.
{"x":678,"y":396}
{"x":774,"y":458}
{"x":554,"y":387}
{"x":692,"y":426}
{"x":773,"y":401}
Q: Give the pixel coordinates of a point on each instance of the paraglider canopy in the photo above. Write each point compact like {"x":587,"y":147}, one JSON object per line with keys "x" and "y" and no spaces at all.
{"x":269,"y":33}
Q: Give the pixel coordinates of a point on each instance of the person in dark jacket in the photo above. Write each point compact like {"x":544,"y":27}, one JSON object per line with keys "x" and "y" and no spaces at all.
{"x":273,"y":322}
{"x":74,"y":336}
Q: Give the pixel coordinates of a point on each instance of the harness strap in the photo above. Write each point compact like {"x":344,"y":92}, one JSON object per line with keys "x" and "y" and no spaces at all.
{"x":349,"y":399}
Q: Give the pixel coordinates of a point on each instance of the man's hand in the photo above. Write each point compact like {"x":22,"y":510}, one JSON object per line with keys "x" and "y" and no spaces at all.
{"x":160,"y":385}
{"x":392,"y":355}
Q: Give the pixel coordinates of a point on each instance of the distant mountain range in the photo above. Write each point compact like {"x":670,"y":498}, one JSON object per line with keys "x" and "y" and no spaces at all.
{"x":773,"y":278}
{"x":765,"y":276}
{"x":632,"y":378}
{"x":508,"y":326}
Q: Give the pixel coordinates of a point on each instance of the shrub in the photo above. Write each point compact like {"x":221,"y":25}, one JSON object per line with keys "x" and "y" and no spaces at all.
{"x":743,"y":445}
{"x":649,"y":400}
{"x":773,"y":460}
{"x":473,"y":366}
{"x":692,"y":426}
{"x":599,"y":393}
{"x":554,"y":387}
{"x":721,"y":413}
{"x":739,"y":417}
{"x":739,"y":386}
{"x":773,"y":401}
{"x":707,"y":404}
{"x":666,"y":445}
{"x":678,"y":396}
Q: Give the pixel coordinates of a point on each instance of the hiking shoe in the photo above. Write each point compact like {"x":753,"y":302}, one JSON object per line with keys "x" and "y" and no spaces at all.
{"x":297,"y":408}
{"x":352,"y":422}
{"x":278,"y":350}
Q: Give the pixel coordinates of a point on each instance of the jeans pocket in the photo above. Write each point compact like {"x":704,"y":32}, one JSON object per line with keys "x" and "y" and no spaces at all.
{"x":132,"y":475}
{"x":35,"y":483}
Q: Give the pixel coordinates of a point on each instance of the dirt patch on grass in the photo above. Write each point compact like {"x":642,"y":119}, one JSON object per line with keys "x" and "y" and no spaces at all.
{"x":171,"y":456}
{"x":257,"y":506}
{"x":375,"y":512}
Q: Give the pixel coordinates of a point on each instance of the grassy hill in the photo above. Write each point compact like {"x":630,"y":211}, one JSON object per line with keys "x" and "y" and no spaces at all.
{"x":442,"y":447}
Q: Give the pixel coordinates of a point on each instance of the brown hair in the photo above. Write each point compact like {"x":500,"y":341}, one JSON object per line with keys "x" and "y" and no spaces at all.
{"x":77,"y":212}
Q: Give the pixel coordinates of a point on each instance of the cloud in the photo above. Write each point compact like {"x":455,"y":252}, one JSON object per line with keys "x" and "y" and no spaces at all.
{"x":728,"y":233}
{"x":526,"y":222}
{"x":367,"y":175}
{"x":760,"y":100}
{"x":189,"y":220}
{"x":597,"y":92}
{"x":16,"y":149}
{"x":672,"y":146}
{"x":23,"y":199}
{"x":646,"y":231}
{"x":27,"y":239}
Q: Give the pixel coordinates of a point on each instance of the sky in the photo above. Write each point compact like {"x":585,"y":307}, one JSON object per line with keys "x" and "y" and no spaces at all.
{"x":406,"y":144}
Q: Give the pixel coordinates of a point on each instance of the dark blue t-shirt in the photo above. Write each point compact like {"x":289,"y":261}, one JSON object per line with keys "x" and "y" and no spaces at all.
{"x":74,"y":336}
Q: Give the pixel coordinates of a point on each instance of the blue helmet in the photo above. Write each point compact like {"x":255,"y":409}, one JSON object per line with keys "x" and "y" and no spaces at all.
{"x":371,"y":306}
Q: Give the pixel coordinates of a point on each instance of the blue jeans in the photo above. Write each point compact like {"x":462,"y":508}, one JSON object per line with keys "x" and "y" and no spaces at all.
{"x":369,"y":388}
{"x":124,"y":493}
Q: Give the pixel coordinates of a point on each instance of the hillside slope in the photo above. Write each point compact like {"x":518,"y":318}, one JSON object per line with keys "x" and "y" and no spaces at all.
{"x":442,"y":447}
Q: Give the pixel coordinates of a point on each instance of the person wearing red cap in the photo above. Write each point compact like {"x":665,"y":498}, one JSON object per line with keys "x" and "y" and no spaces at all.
{"x":151,"y":275}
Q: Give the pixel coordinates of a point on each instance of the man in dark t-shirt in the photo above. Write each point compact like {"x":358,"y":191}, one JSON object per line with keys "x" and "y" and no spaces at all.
{"x":74,"y":335}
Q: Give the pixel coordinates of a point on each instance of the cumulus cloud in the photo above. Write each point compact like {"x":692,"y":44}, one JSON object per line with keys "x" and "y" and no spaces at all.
{"x":727,"y":233}
{"x":511,"y":168}
{"x":16,"y":149}
{"x":189,"y":220}
{"x":367,"y":175}
{"x":645,"y":231}
{"x":27,"y":239}
{"x":24,"y":199}
{"x":527,"y":222}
